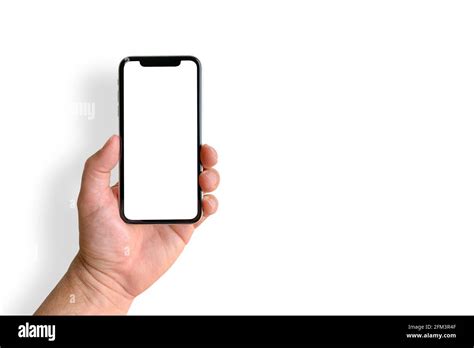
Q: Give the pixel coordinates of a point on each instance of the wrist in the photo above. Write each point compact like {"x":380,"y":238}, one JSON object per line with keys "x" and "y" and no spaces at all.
{"x":85,"y":290}
{"x":94,"y":291}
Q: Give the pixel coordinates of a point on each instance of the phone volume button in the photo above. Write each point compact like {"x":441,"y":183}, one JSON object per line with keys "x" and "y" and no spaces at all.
{"x":118,"y":102}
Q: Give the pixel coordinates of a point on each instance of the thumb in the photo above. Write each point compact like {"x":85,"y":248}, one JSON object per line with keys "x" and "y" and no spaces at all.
{"x":96,"y":175}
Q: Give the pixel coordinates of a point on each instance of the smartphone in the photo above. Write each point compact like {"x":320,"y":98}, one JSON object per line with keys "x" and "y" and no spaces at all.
{"x":160,"y":139}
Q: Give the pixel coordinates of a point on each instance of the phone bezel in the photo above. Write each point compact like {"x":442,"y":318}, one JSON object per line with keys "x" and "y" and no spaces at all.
{"x":158,"y":61}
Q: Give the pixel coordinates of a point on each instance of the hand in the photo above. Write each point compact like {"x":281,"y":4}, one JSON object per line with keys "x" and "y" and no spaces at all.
{"x":118,"y":261}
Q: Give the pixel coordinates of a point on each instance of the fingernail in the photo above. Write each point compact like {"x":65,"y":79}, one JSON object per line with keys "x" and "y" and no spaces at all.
{"x":210,"y":175}
{"x":108,"y":141}
{"x":212,"y":149}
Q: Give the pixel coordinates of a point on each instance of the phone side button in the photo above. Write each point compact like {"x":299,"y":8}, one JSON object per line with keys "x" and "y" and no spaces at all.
{"x":118,"y":104}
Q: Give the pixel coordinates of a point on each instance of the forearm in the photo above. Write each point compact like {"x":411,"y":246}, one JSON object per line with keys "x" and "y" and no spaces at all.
{"x":80,"y":292}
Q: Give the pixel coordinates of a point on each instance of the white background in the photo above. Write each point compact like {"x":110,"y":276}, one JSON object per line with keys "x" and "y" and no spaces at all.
{"x":345,"y":136}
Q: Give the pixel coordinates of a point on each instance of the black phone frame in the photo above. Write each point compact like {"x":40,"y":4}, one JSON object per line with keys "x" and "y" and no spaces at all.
{"x":158,"y":61}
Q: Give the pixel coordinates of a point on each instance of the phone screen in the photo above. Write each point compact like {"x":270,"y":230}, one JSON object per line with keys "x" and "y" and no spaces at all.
{"x":160,"y":138}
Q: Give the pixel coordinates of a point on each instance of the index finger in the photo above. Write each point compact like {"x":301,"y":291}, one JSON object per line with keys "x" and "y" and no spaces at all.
{"x":208,"y":156}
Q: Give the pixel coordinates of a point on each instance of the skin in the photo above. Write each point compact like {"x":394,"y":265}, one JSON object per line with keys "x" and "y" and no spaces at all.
{"x":117,"y":261}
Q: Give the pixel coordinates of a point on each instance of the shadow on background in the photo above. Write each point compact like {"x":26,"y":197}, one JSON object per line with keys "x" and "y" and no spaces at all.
{"x":57,"y":234}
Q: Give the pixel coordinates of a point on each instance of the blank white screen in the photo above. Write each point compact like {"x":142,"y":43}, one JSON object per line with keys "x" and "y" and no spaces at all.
{"x":160,"y":141}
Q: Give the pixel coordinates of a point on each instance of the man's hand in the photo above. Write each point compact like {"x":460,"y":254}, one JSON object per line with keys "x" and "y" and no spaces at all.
{"x":117,"y":261}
